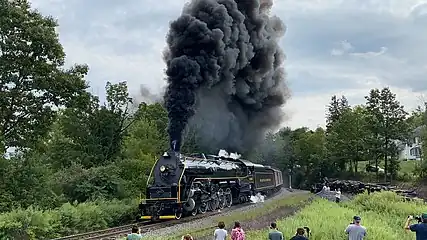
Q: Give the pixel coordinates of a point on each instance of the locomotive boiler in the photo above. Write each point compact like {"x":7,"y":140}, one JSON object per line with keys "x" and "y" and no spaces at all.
{"x":181,"y":185}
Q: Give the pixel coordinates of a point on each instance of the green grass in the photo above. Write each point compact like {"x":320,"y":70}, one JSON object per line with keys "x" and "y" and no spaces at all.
{"x":406,"y":172}
{"x":383,"y":214}
{"x":405,"y":166}
{"x":270,"y":206}
{"x":408,"y":166}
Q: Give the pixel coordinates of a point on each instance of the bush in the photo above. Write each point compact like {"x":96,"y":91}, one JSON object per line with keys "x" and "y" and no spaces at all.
{"x":32,"y":223}
{"x":382,"y":213}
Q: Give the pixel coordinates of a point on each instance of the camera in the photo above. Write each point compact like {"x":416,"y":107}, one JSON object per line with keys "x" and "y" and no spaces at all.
{"x":307,"y":230}
{"x":418,"y":218}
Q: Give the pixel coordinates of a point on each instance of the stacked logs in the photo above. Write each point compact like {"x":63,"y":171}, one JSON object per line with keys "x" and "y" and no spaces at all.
{"x":356,"y":187}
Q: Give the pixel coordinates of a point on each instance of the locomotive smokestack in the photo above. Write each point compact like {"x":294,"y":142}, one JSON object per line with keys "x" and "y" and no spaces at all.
{"x":175,"y":145}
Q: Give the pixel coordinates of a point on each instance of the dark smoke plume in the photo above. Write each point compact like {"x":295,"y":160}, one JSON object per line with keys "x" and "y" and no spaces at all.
{"x":224,"y":72}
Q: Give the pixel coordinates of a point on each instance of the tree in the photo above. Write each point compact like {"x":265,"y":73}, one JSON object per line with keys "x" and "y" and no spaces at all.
{"x":33,"y":82}
{"x":424,"y":142}
{"x":310,"y":154}
{"x":347,"y":139}
{"x":387,"y":122}
{"x":155,"y":114}
{"x":25,"y":181}
{"x":335,"y":110}
{"x":336,"y":132}
{"x":416,"y":118}
{"x":91,"y":134}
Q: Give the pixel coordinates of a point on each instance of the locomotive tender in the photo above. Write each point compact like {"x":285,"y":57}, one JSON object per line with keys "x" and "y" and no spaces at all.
{"x":187,"y":185}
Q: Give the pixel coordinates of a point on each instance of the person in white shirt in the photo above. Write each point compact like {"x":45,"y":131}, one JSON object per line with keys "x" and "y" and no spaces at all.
{"x":220,"y":233}
{"x":338,"y":195}
{"x":324,"y":188}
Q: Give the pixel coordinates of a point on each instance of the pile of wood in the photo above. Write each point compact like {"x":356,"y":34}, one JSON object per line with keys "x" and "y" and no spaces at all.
{"x":355,"y":187}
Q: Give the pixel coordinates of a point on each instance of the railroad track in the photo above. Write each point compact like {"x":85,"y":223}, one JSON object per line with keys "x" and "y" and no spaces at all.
{"x":147,"y":226}
{"x":110,"y":232}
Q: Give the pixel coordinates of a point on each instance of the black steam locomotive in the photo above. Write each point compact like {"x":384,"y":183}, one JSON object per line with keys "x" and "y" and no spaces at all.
{"x":181,"y":185}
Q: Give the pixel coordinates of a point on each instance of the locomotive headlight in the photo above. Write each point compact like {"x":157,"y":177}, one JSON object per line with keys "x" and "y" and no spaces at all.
{"x":162,"y":168}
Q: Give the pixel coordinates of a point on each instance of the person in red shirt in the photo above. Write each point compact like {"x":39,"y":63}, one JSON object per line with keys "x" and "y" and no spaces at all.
{"x":237,"y":233}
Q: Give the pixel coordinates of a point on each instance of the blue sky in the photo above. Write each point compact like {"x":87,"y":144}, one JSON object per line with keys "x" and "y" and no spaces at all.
{"x":332,"y":47}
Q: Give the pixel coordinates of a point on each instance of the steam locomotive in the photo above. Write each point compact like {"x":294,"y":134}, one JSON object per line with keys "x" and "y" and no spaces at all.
{"x":181,"y":185}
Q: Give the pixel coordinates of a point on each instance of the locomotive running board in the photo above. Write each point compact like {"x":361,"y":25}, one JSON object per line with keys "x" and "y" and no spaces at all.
{"x":160,"y":217}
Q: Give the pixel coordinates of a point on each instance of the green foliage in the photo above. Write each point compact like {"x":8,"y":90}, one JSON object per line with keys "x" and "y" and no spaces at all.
{"x":310,"y":154}
{"x":335,"y":110}
{"x":31,"y":75}
{"x":34,"y":223}
{"x":80,"y":184}
{"x":423,"y":167}
{"x":24,"y":181}
{"x":347,"y":138}
{"x":387,"y":123}
{"x":383,"y":214}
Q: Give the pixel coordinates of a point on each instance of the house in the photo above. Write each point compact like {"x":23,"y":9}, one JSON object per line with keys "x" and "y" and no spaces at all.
{"x":411,"y":150}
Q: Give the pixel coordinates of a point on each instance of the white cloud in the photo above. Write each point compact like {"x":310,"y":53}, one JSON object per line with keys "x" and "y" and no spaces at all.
{"x":310,"y":110}
{"x":332,"y":46}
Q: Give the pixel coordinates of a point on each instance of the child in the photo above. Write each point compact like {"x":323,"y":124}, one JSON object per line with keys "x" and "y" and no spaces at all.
{"x":220,"y":233}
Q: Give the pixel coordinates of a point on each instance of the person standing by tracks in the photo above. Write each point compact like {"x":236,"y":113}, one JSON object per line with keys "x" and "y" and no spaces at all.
{"x":135,"y":235}
{"x":355,"y":230}
{"x":274,"y":233}
{"x":338,"y":195}
{"x":187,"y":237}
{"x":300,"y":235}
{"x":237,"y":233}
{"x":220,"y":233}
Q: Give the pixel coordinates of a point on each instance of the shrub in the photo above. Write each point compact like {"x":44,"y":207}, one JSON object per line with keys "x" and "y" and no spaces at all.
{"x":32,"y":223}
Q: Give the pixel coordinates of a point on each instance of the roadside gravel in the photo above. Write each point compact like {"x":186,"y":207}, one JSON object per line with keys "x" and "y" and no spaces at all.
{"x":212,"y":220}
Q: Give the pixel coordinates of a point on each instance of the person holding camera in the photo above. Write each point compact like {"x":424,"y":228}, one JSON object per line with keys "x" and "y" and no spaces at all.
{"x":355,"y":230}
{"x":419,"y":228}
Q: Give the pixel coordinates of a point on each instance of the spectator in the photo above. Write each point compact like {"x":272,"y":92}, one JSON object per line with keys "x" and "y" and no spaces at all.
{"x":187,"y":237}
{"x":220,"y":233}
{"x":324,"y":188}
{"x":237,"y":233}
{"x":420,"y":229}
{"x":338,"y":195}
{"x":299,"y":235}
{"x":274,"y":234}
{"x":356,"y":231}
{"x":135,"y":235}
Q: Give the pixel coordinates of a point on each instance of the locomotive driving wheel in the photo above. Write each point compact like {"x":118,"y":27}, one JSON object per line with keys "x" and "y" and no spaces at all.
{"x":203,"y":208}
{"x":221,"y":199}
{"x":228,"y":198}
{"x":213,"y":203}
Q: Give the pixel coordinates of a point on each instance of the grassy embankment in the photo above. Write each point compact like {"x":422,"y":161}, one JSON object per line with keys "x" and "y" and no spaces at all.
{"x":293,"y":201}
{"x":406,"y":171}
{"x":382,"y":213}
